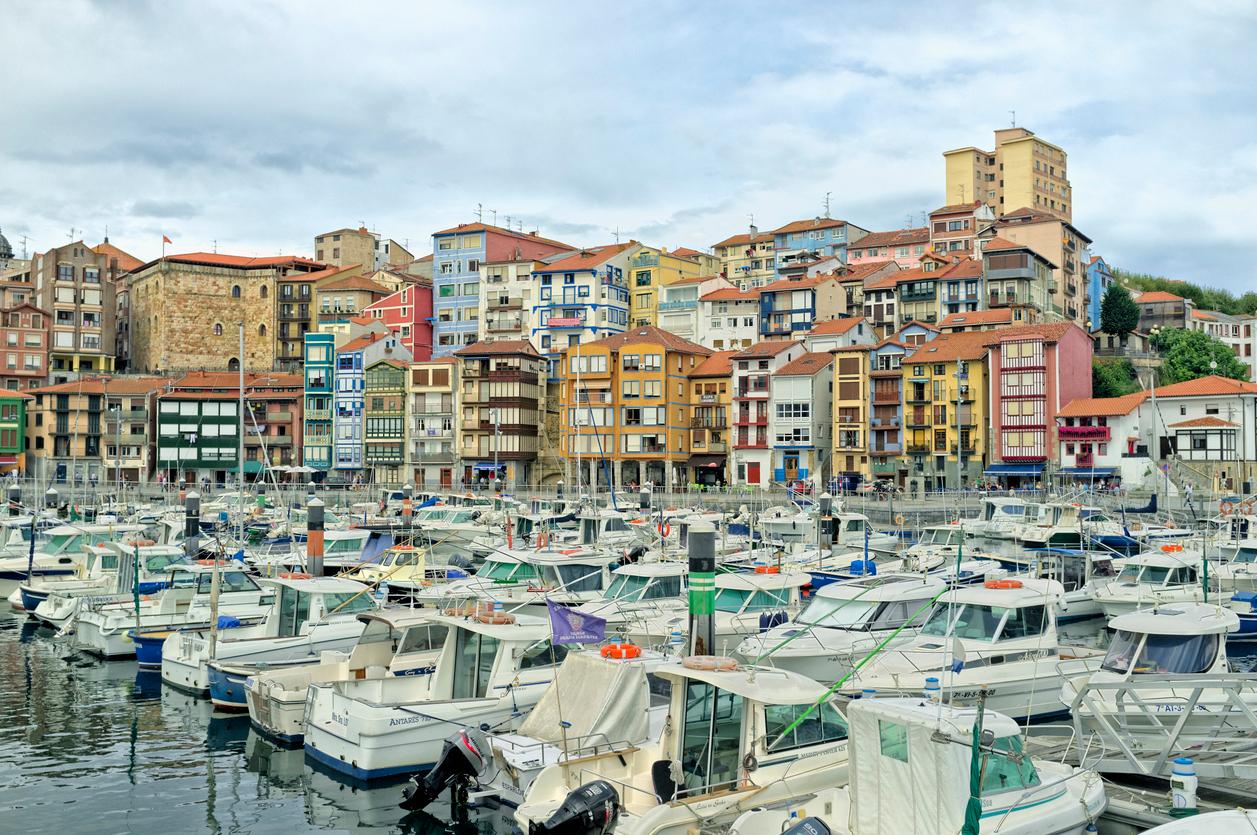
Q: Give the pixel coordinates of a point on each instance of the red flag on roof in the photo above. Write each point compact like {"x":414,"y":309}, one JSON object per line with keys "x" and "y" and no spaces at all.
{"x":166,"y":240}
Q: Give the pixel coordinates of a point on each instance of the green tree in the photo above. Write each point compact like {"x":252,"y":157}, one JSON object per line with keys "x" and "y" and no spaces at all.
{"x":1186,"y":355}
{"x":1112,"y":378}
{"x":1119,"y":315}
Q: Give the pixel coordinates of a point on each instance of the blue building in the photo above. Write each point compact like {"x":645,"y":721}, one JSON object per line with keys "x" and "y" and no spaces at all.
{"x":580,"y":299}
{"x":352,"y":360}
{"x":319,"y":351}
{"x":788,"y":307}
{"x":1099,"y":279}
{"x":456,"y":257}
{"x":806,"y":240}
{"x":960,"y":287}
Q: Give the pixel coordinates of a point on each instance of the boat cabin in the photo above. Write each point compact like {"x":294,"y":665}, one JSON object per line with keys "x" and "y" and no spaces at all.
{"x":1182,"y":638}
{"x":1071,"y":567}
{"x":1160,"y":569}
{"x":872,"y":603}
{"x":994,"y":612}
{"x":647,"y":581}
{"x":299,"y":601}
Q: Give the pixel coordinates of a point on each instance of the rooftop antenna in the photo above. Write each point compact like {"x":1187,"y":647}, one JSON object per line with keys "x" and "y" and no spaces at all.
{"x":508,"y":221}
{"x":521,"y":226}
{"x":215,"y":246}
{"x":106,"y":233}
{"x":480,"y":212}
{"x":617,"y":234}
{"x":1013,"y":113}
{"x":494,"y":212}
{"x":24,"y":239}
{"x":74,"y":233}
{"x":827,"y":203}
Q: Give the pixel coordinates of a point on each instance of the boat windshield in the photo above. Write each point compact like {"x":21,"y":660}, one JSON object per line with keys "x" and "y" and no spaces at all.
{"x":737,"y":600}
{"x":1006,"y":768}
{"x":506,"y":572}
{"x":630,"y":587}
{"x":348,"y":601}
{"x":572,"y":577}
{"x":1129,"y":651}
{"x":160,"y":562}
{"x":836,"y":613}
{"x":1154,"y":574}
{"x":228,"y":581}
{"x":1244,"y":553}
{"x":975,"y":622}
{"x":943,"y":536}
{"x":62,"y":542}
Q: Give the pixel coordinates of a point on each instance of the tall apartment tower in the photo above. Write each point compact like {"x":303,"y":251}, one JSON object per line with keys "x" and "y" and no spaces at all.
{"x":1023,"y":172}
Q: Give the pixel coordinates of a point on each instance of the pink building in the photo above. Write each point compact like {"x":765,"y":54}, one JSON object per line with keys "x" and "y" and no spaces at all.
{"x":903,"y":246}
{"x":1035,"y":370}
{"x":408,"y":313}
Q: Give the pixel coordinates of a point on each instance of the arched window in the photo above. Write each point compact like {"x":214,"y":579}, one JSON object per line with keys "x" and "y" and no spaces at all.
{"x":263,"y":291}
{"x":235,"y":291}
{"x":233,"y":364}
{"x":261,"y":330}
{"x":218,"y":329}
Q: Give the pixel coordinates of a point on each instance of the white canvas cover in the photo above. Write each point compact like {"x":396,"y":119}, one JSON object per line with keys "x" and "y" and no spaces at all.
{"x":598,"y":697}
{"x":925,"y":795}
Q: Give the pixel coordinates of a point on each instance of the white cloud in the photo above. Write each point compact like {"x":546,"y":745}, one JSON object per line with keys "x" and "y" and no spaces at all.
{"x":260,"y":125}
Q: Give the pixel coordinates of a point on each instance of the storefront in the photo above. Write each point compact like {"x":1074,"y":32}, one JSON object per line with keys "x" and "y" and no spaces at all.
{"x":1016,"y":476}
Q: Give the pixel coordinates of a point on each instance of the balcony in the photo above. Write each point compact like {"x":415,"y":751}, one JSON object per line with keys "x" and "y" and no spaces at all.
{"x":917,"y":419}
{"x":497,"y":325}
{"x":884,"y":423}
{"x":746,"y":420}
{"x":918,"y":449}
{"x":318,"y":414}
{"x":920,"y":397}
{"x":562,"y":322}
{"x":507,"y":304}
{"x":752,"y":391}
{"x":885,"y":466}
{"x":885,"y":398}
{"x":710,"y":423}
{"x":1006,"y":300}
{"x":688,"y":304}
{"x":1083,"y":433}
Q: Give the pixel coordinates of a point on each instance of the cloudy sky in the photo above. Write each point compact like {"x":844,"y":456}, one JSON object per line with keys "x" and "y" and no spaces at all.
{"x":259,"y":124}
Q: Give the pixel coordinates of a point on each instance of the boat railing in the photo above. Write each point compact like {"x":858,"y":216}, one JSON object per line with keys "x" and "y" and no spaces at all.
{"x":1165,"y":712}
{"x":576,"y":747}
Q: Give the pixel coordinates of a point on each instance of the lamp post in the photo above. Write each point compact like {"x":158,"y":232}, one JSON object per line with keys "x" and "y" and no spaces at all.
{"x":116,"y":411}
{"x":495,"y":416}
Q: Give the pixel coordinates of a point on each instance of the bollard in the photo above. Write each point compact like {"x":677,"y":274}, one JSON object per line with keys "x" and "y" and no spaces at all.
{"x":408,"y":508}
{"x":192,"y":523}
{"x":310,"y":488}
{"x":702,"y":582}
{"x":15,"y":499}
{"x":51,"y":498}
{"x":314,"y":537}
{"x":643,"y":499}
{"x":1183,"y":783}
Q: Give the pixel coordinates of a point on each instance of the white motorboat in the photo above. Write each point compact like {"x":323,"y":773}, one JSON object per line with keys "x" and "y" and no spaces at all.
{"x":736,"y":738}
{"x":997,"y":517}
{"x":308,"y":616}
{"x":491,"y":671}
{"x":109,"y":574}
{"x":1158,"y":668}
{"x":746,"y":603}
{"x":1154,"y":578}
{"x":842,"y":622}
{"x":639,"y":591}
{"x":1080,"y":573}
{"x":568,"y":576}
{"x":911,"y":761}
{"x":1000,"y":636}
{"x":1059,"y":526}
{"x":59,"y":547}
{"x":102,"y":628}
{"x":394,"y":642}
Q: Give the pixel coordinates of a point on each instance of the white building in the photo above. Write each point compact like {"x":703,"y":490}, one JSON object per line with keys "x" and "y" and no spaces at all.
{"x":1106,"y":438}
{"x":507,"y":301}
{"x":728,"y":319}
{"x":678,"y":303}
{"x":1236,"y":332}
{"x":839,"y":333}
{"x":750,"y":444}
{"x":799,"y":418}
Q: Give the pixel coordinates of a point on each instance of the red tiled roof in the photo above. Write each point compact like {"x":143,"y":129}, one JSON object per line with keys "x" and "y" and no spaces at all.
{"x":694,"y":279}
{"x":808,"y":224}
{"x":884,"y":282}
{"x":973,"y":318}
{"x":964,"y":268}
{"x":955,"y":208}
{"x":719,"y":364}
{"x":1201,"y":314}
{"x":807,"y":364}
{"x":862,"y":271}
{"x":958,"y":345}
{"x":919,"y":324}
{"x":586,"y":259}
{"x":1208,"y":421}
{"x":796,"y":283}
{"x":319,"y":275}
{"x":1103,"y":406}
{"x":731,"y":294}
{"x":898,"y":237}
{"x":685,"y":252}
{"x":1157,"y":296}
{"x":1211,"y":386}
{"x":356,"y":282}
{"x":501,"y":346}
{"x":217,"y":259}
{"x":835,"y":327}
{"x":744,"y":239}
{"x":1050,"y":332}
{"x":126,"y":261}
{"x":767,"y":348}
{"x":997,"y":243}
{"x":105,"y":385}
{"x":497,"y":230}
{"x":361,"y":342}
{"x":648,"y":335}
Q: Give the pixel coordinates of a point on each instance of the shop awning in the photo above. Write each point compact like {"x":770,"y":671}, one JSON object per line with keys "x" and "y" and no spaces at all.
{"x":486,"y":465}
{"x":1088,"y":472}
{"x":253,"y":467}
{"x":711,"y":461}
{"x":1014,"y":469}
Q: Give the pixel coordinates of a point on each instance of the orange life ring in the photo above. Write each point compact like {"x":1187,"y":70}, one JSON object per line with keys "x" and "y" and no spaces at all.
{"x":211,"y":562}
{"x":543,"y":539}
{"x":1226,"y":508}
{"x":621,"y":651}
{"x":295,"y":575}
{"x":498,"y":618}
{"x":720,"y":663}
{"x":1169,"y":523}
{"x":665,"y":529}
{"x":1170,"y":549}
{"x":140,"y":543}
{"x":767,"y":569}
{"x":1003,"y":584}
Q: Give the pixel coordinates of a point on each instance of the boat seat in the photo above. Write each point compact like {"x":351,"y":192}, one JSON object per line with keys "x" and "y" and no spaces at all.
{"x":661,"y":779}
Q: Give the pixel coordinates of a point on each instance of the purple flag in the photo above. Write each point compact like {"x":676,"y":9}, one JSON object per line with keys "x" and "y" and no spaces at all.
{"x":572,"y":627}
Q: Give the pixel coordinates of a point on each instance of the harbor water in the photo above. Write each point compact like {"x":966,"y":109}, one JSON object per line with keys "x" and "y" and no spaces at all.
{"x":102,"y":747}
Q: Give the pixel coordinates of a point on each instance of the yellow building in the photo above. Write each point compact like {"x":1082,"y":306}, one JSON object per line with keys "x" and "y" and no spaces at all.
{"x":649,"y":269}
{"x":626,"y":406}
{"x":710,"y":413}
{"x":944,"y":411}
{"x":1023,"y":171}
{"x":851,"y":406}
{"x":747,"y":260}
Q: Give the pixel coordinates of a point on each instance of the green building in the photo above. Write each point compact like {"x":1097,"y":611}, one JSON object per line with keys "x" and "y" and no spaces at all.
{"x":13,"y":431}
{"x":384,"y":412}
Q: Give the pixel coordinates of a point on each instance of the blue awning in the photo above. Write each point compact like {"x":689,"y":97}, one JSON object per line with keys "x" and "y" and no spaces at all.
{"x":1088,"y":472}
{"x":1013,"y":469}
{"x":486,"y":465}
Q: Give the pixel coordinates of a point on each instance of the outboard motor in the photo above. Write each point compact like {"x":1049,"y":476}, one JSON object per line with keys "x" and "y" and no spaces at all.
{"x":591,"y":809}
{"x":632,"y":555}
{"x":808,"y":826}
{"x":465,"y":756}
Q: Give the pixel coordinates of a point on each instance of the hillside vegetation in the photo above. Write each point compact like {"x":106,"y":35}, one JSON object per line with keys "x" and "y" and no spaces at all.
{"x":1206,"y":298}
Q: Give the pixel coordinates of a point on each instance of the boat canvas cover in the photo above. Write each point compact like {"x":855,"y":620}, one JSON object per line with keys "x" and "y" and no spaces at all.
{"x":598,"y":696}
{"x":901,"y":779}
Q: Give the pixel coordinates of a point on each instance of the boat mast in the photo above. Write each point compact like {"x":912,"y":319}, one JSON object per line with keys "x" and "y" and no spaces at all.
{"x":240,"y":440}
